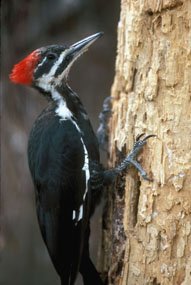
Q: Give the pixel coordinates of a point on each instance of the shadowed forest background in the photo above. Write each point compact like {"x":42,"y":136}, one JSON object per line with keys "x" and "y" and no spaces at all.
{"x":27,"y":25}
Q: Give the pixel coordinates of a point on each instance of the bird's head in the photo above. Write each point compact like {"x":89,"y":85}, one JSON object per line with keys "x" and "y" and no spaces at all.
{"x":49,"y":66}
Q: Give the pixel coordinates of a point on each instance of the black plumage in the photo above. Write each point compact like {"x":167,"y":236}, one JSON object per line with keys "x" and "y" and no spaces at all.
{"x":56,"y":158}
{"x":63,"y":155}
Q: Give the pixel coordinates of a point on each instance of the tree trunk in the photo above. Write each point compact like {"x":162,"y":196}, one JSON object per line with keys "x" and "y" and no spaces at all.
{"x":147,"y":225}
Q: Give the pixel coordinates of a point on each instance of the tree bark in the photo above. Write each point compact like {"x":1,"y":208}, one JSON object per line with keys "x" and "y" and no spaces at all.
{"x":147,"y":225}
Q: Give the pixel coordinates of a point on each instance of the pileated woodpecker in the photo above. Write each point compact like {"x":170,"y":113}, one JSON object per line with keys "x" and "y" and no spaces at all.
{"x":64,"y":161}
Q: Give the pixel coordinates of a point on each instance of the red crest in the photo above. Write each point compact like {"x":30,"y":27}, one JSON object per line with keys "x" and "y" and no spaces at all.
{"x":22,"y":72}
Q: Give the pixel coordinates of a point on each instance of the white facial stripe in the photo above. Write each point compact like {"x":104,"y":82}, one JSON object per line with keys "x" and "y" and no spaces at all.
{"x":40,"y":64}
{"x":66,"y":71}
{"x":46,"y":81}
{"x":57,"y":63}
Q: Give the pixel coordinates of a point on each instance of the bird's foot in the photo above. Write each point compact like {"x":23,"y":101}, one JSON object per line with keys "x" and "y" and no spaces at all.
{"x":131,"y":158}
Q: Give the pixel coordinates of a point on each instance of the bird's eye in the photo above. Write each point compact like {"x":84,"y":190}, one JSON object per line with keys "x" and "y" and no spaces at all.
{"x":51,"y":56}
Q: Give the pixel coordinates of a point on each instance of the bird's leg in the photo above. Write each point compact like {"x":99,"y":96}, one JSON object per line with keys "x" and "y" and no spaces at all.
{"x":110,"y":175}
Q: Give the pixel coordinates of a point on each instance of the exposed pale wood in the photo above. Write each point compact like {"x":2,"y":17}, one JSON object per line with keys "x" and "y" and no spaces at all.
{"x":148,"y":234}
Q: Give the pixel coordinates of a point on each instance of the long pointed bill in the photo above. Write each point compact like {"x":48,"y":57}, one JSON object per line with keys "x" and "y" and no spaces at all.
{"x":85,"y":43}
{"x":70,"y":55}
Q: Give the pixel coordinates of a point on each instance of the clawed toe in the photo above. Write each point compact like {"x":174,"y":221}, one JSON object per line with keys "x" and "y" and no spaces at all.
{"x":131,"y":158}
{"x":138,"y":138}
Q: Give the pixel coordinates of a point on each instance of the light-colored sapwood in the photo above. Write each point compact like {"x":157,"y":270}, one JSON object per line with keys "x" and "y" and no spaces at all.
{"x":147,"y":228}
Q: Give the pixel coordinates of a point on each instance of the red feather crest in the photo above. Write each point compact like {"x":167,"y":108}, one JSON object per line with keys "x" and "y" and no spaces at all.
{"x":22,"y":72}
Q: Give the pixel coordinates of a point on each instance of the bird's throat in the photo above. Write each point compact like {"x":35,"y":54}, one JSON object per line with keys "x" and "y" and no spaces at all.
{"x":62,"y":110}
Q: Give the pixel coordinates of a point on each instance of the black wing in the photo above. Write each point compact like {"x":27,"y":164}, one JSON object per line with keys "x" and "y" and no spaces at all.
{"x":56,"y":160}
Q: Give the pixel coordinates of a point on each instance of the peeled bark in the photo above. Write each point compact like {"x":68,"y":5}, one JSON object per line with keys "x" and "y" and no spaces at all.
{"x":147,"y":225}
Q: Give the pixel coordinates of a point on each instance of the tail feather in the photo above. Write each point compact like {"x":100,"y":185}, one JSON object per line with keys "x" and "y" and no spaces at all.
{"x":89,"y":272}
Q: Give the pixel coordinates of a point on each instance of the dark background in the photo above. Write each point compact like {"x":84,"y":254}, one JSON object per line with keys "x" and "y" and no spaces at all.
{"x":27,"y":25}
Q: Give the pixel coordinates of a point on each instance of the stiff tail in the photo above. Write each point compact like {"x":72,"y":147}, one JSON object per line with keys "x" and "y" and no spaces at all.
{"x":89,"y":273}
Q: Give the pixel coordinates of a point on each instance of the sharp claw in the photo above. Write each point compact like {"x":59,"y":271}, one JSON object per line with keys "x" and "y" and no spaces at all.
{"x":139,"y":136}
{"x":149,"y":136}
{"x":131,"y":158}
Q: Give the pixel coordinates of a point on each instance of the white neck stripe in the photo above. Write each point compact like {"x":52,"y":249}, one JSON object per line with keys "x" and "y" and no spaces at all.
{"x":62,"y":110}
{"x":65,"y":114}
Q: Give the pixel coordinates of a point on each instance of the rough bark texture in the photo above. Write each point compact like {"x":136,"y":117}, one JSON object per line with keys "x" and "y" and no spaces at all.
{"x":147,"y":225}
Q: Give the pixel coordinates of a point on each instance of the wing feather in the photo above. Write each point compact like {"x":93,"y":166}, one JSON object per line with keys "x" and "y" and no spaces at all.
{"x":56,"y":160}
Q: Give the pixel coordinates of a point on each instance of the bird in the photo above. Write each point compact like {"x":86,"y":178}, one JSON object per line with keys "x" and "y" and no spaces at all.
{"x":64,"y":160}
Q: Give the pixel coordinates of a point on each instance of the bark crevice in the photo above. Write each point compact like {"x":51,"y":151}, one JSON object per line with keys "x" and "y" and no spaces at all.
{"x":151,"y":221}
